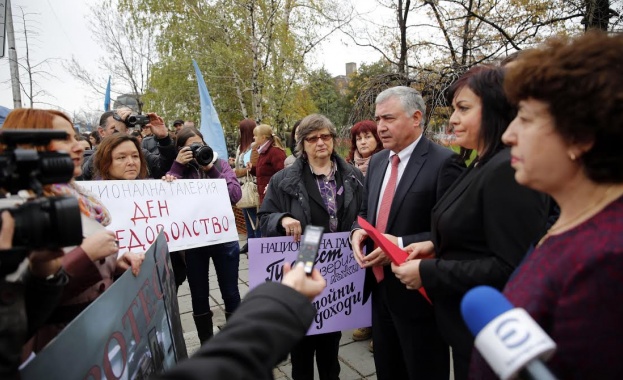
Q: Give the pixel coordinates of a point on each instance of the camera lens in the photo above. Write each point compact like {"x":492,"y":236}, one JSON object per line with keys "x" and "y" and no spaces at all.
{"x":203,"y":154}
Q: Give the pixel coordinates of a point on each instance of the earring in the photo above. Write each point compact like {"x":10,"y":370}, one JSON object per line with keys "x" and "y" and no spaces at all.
{"x":572,"y":156}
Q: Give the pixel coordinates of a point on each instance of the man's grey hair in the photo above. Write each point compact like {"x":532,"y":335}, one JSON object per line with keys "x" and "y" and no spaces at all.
{"x":410,"y":99}
{"x":310,"y":124}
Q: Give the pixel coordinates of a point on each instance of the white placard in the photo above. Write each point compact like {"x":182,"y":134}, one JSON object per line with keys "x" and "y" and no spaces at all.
{"x":192,"y":212}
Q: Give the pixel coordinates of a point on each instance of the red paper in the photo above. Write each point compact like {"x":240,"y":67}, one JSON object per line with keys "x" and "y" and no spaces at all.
{"x":395,"y":253}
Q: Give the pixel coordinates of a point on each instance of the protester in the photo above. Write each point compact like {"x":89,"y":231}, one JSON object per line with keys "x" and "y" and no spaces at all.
{"x":137,"y":135}
{"x":246,"y":153}
{"x":91,"y":266}
{"x":399,"y":200}
{"x":119,"y":157}
{"x":84,"y":143}
{"x":272,"y":319}
{"x":225,"y":256}
{"x":178,"y":125}
{"x":94,"y":138}
{"x":318,"y":189}
{"x":364,"y":142}
{"x":483,"y":225}
{"x":292,"y":144}
{"x":566,"y":142}
{"x":114,"y":122}
{"x":271,"y":157}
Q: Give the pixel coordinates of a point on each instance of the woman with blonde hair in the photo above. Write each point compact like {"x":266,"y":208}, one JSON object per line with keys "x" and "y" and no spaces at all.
{"x":272,"y":155}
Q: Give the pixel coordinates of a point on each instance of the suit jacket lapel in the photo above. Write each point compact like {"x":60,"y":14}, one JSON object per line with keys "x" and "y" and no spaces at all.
{"x":456,"y":189}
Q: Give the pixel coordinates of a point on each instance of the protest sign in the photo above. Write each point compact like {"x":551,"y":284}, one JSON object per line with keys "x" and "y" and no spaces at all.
{"x":343,"y":304}
{"x":132,"y":330}
{"x":191,"y":212}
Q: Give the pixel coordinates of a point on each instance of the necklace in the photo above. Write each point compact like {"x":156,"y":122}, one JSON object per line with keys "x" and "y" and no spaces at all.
{"x":578,"y":219}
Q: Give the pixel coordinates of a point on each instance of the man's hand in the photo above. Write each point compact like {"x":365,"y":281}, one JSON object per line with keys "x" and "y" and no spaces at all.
{"x":409,"y":273}
{"x":297,"y":279}
{"x":357,"y":241}
{"x":420,"y":250}
{"x":157,"y":126}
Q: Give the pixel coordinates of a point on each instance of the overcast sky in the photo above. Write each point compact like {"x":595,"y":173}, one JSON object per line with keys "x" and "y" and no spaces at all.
{"x":62,"y":32}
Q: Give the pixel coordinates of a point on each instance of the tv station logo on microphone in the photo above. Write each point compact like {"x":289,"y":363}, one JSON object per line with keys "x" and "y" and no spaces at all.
{"x":511,"y":340}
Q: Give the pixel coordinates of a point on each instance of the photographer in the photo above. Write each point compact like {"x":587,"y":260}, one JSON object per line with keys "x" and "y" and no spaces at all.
{"x":120,"y":121}
{"x":196,"y":160}
{"x":93,"y":264}
{"x":35,"y":295}
{"x":270,"y":321}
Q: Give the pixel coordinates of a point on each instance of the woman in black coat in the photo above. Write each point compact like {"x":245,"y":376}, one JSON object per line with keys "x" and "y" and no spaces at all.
{"x":320,"y":189}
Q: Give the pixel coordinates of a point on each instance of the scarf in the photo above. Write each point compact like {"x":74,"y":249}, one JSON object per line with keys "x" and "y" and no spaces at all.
{"x":361,"y":163}
{"x":90,"y":205}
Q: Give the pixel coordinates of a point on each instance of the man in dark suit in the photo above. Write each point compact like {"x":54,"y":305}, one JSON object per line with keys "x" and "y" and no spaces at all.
{"x":407,"y":344}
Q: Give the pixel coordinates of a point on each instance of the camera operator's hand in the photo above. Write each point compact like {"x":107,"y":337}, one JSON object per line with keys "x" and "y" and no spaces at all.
{"x":157,"y":126}
{"x":184,"y":156}
{"x":124,"y":113}
{"x":297,"y":279}
{"x":100,"y":245}
{"x":130,"y":259}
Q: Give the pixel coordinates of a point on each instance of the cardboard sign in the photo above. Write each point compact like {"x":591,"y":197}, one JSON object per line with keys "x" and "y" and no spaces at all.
{"x":191,"y":213}
{"x":342,"y":305}
{"x":132,"y":330}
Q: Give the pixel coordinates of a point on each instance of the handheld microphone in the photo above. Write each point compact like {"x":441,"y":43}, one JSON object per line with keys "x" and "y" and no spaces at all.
{"x":507,"y":337}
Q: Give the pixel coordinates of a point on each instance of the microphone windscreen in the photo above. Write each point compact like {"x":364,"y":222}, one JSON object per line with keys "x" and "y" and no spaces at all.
{"x":481,"y":305}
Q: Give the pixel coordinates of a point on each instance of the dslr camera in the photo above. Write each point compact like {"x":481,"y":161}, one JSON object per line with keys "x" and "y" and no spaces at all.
{"x":202,"y":153}
{"x":40,"y":222}
{"x":134,"y":120}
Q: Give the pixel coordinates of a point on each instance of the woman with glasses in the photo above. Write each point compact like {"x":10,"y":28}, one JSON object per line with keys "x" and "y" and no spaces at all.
{"x":225,"y":256}
{"x":271,"y":157}
{"x":320,"y":189}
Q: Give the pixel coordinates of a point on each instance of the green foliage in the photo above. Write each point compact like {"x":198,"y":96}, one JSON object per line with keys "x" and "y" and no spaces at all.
{"x":327,"y":97}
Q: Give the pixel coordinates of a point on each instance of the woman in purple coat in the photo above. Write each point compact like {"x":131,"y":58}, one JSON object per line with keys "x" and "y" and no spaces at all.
{"x":226,"y":256}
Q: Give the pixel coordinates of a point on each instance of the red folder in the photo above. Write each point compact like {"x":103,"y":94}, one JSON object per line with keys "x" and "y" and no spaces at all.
{"x":395,"y":253}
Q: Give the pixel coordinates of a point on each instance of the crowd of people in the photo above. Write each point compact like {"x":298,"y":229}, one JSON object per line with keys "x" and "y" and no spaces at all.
{"x":536,"y":212}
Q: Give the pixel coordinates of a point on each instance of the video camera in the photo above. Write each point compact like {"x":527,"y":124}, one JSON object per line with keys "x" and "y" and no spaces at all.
{"x":134,"y":120}
{"x":40,"y":222}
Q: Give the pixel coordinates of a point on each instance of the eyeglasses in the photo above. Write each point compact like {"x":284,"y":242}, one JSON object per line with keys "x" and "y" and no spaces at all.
{"x":314,"y":139}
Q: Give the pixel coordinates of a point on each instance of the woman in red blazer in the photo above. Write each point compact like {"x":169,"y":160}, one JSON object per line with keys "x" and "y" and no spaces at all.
{"x":271,"y":156}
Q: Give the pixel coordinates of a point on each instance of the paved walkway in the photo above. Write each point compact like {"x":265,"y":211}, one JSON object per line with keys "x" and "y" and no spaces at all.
{"x":355,"y":359}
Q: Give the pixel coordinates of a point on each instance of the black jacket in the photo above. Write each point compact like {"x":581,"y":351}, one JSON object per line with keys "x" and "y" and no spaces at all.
{"x":293,"y":192}
{"x":267,"y":324}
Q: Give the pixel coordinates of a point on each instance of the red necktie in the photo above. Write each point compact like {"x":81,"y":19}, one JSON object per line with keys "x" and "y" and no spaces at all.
{"x":386,"y":204}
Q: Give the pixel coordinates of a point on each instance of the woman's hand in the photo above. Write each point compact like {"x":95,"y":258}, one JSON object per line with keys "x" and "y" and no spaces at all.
{"x":297,"y":279}
{"x":184,"y":156}
{"x":409,"y":273}
{"x":292,"y":227}
{"x":130,"y":259}
{"x":169,"y":178}
{"x":100,"y":245}
{"x":420,"y":250}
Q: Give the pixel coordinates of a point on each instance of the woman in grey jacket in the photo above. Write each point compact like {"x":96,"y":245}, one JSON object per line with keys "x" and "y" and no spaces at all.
{"x":319,"y":188}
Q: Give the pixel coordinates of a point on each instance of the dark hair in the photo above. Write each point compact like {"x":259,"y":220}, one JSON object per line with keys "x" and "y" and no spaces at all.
{"x":102,"y":159}
{"x":363,"y":127}
{"x":136,"y":134}
{"x":497,"y":112}
{"x":292,"y":142}
{"x":104,"y":118}
{"x":184,"y":134}
{"x":246,"y":127}
{"x":581,"y":81}
{"x":96,"y":136}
